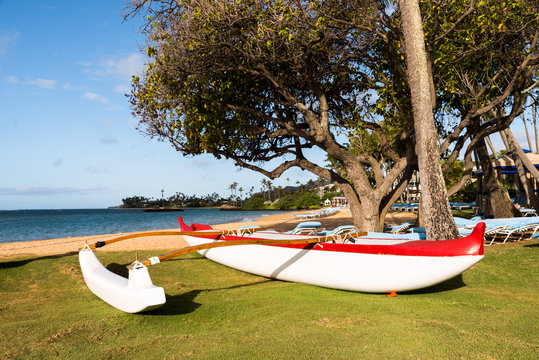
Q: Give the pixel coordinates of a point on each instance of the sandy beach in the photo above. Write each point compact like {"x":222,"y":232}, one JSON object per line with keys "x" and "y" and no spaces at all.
{"x":278,"y":222}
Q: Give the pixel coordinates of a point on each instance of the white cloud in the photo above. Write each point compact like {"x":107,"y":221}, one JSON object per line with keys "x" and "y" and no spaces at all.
{"x":115,"y":107}
{"x":12,"y":79}
{"x":96,"y":170}
{"x":70,"y":87}
{"x":43,"y":83}
{"x":7,"y":37}
{"x":47,"y":191}
{"x":123,"y":89}
{"x":108,"y":141}
{"x":128,"y":66}
{"x":118,"y":68}
{"x":95,"y":97}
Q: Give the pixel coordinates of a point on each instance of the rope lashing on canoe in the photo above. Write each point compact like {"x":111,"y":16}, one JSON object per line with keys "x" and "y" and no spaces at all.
{"x":99,"y":244}
{"x":157,"y":259}
{"x":239,"y":232}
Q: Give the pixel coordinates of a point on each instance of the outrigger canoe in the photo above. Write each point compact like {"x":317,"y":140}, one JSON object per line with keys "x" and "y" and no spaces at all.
{"x":347,"y":262}
{"x":366,"y":265}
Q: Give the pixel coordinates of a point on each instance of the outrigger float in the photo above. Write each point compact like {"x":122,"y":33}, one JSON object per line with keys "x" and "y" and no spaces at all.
{"x":348,"y":262}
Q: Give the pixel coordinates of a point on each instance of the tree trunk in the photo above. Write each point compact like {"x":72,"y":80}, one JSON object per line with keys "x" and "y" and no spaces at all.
{"x":498,"y":203}
{"x":535,"y":127}
{"x":439,"y":220}
{"x":489,"y":142}
{"x":364,"y":209}
{"x":527,"y":132}
{"x":522,"y":163}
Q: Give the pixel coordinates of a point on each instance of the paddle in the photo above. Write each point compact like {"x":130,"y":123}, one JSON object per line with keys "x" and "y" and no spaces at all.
{"x":169,"y":232}
{"x":157,"y":259}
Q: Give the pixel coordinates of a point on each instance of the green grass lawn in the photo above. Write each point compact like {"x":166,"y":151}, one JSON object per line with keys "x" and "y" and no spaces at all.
{"x":213,"y":312}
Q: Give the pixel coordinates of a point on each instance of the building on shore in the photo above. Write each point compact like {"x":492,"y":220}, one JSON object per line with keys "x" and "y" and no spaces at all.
{"x":339,"y":201}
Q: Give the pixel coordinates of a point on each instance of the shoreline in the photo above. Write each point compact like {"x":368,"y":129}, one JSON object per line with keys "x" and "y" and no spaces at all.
{"x":71,"y":245}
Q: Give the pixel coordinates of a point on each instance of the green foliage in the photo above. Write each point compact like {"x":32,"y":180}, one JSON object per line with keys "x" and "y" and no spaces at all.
{"x":452,"y":175}
{"x":467,"y":194}
{"x":177,"y":200}
{"x":489,"y":40}
{"x":227,"y":78}
{"x":135,"y":202}
{"x":286,"y":202}
{"x":254,"y":203}
{"x":307,"y":199}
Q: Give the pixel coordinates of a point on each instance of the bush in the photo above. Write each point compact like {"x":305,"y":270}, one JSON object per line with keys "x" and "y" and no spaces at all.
{"x":286,"y":202}
{"x":307,"y":200}
{"x":467,"y":194}
{"x":254,"y":203}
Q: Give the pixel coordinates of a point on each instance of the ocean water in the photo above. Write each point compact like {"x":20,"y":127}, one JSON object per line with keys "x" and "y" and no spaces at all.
{"x":26,"y":225}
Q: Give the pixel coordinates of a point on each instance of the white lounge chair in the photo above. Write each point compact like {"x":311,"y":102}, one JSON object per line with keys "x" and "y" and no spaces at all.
{"x":399,"y":229}
{"x":305,"y":228}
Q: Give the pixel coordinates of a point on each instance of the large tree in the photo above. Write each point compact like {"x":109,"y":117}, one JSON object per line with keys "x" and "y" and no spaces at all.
{"x":484,"y":59}
{"x":257,"y":81}
{"x":263,"y":80}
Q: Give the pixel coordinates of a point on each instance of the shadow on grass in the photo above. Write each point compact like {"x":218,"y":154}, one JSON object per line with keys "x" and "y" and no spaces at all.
{"x":185,"y":303}
{"x":532,"y":245}
{"x":17,"y":263}
{"x":121,"y":269}
{"x":182,"y":303}
{"x":448,"y":285}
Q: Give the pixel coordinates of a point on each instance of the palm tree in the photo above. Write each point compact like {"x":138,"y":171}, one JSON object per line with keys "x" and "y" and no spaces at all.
{"x":241,"y":190}
{"x":527,"y":132}
{"x":232,"y":188}
{"x":263,"y":188}
{"x":535,"y":127}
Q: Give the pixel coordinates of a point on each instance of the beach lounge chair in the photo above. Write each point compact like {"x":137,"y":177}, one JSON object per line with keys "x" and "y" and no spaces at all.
{"x":528,"y":212}
{"x":340,"y":230}
{"x":306,"y":216}
{"x":491,"y":231}
{"x":305,"y":228}
{"x":460,"y":206}
{"x":519,"y":227}
{"x":398,"y":229}
{"x":384,"y":235}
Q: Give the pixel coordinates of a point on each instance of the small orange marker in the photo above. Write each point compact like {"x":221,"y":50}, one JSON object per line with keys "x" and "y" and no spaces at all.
{"x":391,"y":294}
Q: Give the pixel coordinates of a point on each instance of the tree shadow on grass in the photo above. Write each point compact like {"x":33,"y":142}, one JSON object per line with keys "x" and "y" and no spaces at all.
{"x":17,"y":263}
{"x":185,"y":303}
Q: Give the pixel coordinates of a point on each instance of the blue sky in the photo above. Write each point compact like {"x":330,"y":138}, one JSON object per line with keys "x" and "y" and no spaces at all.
{"x":67,"y":136}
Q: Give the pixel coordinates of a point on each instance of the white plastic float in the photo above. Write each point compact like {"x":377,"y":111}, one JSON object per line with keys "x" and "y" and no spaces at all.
{"x":132,"y":295}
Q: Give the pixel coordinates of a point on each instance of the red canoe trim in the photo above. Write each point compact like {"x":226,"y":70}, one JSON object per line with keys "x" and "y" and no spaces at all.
{"x":469,"y":245}
{"x":193,"y":227}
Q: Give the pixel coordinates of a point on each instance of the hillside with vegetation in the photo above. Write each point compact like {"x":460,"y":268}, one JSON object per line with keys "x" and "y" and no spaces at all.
{"x":302,"y":196}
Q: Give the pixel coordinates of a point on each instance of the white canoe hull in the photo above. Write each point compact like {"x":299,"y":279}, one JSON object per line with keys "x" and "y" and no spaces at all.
{"x":351,"y":271}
